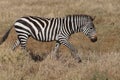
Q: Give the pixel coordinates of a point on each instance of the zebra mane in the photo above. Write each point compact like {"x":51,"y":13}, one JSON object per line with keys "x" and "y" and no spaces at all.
{"x":81,"y":15}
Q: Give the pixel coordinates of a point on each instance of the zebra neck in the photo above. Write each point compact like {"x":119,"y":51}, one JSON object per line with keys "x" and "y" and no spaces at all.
{"x":73,"y":26}
{"x":67,"y":26}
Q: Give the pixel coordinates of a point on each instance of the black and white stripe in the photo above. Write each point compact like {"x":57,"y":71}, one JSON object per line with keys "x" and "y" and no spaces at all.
{"x":53,"y":29}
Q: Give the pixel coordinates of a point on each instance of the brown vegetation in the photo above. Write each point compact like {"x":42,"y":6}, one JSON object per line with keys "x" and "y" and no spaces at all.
{"x":101,"y":60}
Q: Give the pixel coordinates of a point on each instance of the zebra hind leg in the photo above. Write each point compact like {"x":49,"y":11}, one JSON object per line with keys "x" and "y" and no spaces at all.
{"x":23,"y":40}
{"x":20,"y":41}
{"x":16,"y":44}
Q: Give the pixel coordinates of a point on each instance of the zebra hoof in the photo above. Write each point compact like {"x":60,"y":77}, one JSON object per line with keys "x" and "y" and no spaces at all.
{"x":78,"y":60}
{"x":55,"y":57}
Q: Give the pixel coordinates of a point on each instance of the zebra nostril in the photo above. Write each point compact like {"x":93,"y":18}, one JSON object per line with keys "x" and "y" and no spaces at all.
{"x":94,"y":39}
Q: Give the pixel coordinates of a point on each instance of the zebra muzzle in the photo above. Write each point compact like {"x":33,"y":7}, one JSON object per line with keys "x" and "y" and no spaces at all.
{"x":93,"y":38}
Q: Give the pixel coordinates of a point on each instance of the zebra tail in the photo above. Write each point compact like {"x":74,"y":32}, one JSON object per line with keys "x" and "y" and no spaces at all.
{"x":5,"y":35}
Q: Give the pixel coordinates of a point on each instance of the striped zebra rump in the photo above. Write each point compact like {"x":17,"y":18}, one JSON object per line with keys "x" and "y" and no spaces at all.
{"x":40,"y":29}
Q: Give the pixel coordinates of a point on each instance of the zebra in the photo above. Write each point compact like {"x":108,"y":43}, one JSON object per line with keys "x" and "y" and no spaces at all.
{"x":53,"y":29}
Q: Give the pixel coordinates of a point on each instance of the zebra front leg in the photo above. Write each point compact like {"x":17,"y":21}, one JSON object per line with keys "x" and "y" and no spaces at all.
{"x":55,"y":53}
{"x":74,"y":51}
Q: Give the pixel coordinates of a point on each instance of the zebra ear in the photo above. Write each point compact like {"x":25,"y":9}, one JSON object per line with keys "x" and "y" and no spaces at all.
{"x":93,"y":18}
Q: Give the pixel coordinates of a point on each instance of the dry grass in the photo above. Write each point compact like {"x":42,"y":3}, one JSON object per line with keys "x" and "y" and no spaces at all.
{"x":101,"y":60}
{"x":95,"y":66}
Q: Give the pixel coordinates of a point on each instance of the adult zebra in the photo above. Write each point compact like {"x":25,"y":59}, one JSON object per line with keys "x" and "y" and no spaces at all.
{"x":53,"y":29}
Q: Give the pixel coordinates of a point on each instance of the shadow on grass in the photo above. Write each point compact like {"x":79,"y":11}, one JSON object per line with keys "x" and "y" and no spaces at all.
{"x":37,"y":57}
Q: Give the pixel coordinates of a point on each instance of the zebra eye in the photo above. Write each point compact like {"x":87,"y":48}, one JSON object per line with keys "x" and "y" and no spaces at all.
{"x":91,"y":28}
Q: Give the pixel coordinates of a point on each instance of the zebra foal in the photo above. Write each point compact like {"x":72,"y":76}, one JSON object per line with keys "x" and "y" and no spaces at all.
{"x":53,"y":29}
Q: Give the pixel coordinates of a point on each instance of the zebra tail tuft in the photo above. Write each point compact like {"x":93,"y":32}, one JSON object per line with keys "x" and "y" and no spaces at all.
{"x":5,"y":36}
